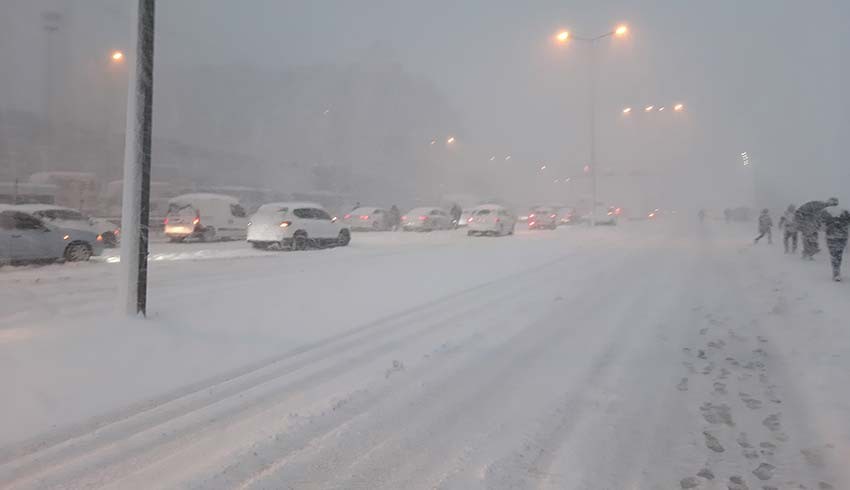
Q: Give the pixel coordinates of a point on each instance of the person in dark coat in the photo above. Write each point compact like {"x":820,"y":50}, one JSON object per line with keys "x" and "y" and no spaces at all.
{"x":808,"y":219}
{"x":395,"y":217}
{"x":789,"y":227}
{"x":765,"y":226}
{"x":836,"y":222}
{"x":455,"y":213}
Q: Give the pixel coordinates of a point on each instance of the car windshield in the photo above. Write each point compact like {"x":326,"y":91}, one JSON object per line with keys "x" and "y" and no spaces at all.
{"x":418,"y":245}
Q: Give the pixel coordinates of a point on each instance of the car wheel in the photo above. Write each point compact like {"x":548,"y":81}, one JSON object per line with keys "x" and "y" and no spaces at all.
{"x":208,"y":234}
{"x":513,"y":229}
{"x":344,"y":238}
{"x":470,"y":233}
{"x":109,"y":239}
{"x":375,"y":226}
{"x":299,"y":241}
{"x":176,"y":239}
{"x":78,"y":252}
{"x":260,"y":245}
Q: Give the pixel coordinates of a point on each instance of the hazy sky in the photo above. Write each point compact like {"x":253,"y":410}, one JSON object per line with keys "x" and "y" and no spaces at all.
{"x":763,"y":76}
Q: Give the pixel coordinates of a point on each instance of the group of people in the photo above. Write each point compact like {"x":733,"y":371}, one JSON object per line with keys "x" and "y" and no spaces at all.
{"x":806,"y":222}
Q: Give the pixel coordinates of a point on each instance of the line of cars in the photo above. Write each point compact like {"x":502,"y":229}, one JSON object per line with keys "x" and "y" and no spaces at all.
{"x":52,"y":233}
{"x":30,"y":233}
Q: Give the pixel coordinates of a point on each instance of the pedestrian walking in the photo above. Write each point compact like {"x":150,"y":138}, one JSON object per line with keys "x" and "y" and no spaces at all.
{"x":788,"y":225}
{"x":455,"y":213}
{"x":836,"y":222}
{"x":765,"y":226}
{"x":395,"y":217}
{"x":808,"y":219}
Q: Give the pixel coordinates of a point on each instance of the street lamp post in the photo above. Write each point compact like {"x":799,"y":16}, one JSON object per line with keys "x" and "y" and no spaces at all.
{"x":135,"y":206}
{"x":562,"y":37}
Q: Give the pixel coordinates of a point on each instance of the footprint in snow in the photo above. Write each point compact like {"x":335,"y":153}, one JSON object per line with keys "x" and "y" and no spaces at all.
{"x":749,"y":401}
{"x":719,"y":388}
{"x":683,"y":385}
{"x":737,"y":483}
{"x":764,"y":471}
{"x":717,"y":344}
{"x":767,"y":448}
{"x":772,"y":422}
{"x":706,"y":473}
{"x":743,"y":441}
{"x":712,"y":443}
{"x":717,"y":414}
{"x":689,"y":482}
{"x":708,"y":368}
{"x":703,"y":331}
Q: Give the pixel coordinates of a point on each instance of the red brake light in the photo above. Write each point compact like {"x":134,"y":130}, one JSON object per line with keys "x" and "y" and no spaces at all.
{"x":531,"y":215}
{"x":531,"y":223}
{"x":347,"y":216}
{"x":285,"y":224}
{"x":469,"y":220}
{"x":196,"y":221}
{"x":364,"y":217}
{"x":165,"y":221}
{"x":552,"y":215}
{"x":498,"y":220}
{"x":423,"y":218}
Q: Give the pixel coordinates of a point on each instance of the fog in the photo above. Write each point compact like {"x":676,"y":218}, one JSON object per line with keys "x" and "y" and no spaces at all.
{"x":360,"y":99}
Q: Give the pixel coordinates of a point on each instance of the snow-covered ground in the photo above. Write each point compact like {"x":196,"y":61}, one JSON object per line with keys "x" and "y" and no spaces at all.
{"x":644,"y":356}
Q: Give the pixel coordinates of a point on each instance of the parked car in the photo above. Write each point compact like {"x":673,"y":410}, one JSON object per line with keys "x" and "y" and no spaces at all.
{"x":607,"y":215}
{"x":426,"y":219}
{"x":464,"y":218}
{"x":367,"y":219}
{"x":63,"y":217}
{"x":295,"y":226}
{"x":25,"y":238}
{"x":205,"y":217}
{"x":491,"y":219}
{"x":542,"y":219}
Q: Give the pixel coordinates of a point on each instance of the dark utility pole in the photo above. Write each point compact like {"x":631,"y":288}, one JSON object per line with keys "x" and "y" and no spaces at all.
{"x":135,"y":208}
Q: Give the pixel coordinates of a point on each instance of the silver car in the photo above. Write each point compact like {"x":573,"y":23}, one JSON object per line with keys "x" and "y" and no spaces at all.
{"x":25,"y":238}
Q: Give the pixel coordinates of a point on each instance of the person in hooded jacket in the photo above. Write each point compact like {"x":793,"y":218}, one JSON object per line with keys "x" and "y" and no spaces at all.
{"x":836,"y":223}
{"x":808,"y":219}
{"x":765,"y":226}
{"x":789,"y":227}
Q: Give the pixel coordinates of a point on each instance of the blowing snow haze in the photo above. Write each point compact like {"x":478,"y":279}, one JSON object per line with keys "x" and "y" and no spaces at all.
{"x":347,"y":96}
{"x":418,"y":245}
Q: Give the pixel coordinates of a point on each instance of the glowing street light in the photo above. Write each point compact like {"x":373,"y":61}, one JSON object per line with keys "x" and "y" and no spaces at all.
{"x":492,"y":158}
{"x":117,"y":56}
{"x":627,"y":110}
{"x":433,"y":142}
{"x":679,"y":107}
{"x":508,"y":157}
{"x":450,"y":140}
{"x":649,"y":108}
{"x":661,"y":109}
{"x":562,"y":37}
{"x":542,"y":167}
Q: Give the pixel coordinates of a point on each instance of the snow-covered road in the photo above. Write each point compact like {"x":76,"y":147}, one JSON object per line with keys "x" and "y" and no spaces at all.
{"x":647,"y":356}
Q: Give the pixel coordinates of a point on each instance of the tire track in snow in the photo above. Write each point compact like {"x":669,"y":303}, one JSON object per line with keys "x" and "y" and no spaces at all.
{"x":30,"y":460}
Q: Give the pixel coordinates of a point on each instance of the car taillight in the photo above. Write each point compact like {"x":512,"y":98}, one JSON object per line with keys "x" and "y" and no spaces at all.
{"x":347,"y":216}
{"x":469,"y":220}
{"x":498,"y":220}
{"x":364,"y":217}
{"x":404,"y":218}
{"x":423,"y":218}
{"x":530,"y":215}
{"x":100,"y":238}
{"x":531,"y":223}
{"x":610,"y":213}
{"x":165,"y":221}
{"x":196,"y":221}
{"x":552,"y":215}
{"x":285,"y":224}
{"x":117,"y":231}
{"x":618,"y":211}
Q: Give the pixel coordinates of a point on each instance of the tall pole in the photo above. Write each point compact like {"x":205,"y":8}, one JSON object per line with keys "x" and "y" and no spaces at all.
{"x":135,"y":207}
{"x":593,"y":169}
{"x":52,"y":21}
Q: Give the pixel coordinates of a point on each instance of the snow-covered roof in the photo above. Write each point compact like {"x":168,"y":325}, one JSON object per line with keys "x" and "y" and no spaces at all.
{"x":488,"y":206}
{"x":31,"y":208}
{"x":203,"y":196}
{"x":365,"y":209}
{"x":423,"y":209}
{"x":835,"y":211}
{"x":292,"y":205}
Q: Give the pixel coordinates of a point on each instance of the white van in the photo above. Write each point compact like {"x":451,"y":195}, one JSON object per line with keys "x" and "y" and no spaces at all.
{"x":205,"y":217}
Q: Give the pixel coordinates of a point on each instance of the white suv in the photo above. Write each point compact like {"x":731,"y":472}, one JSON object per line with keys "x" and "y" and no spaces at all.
{"x":295,"y":226}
